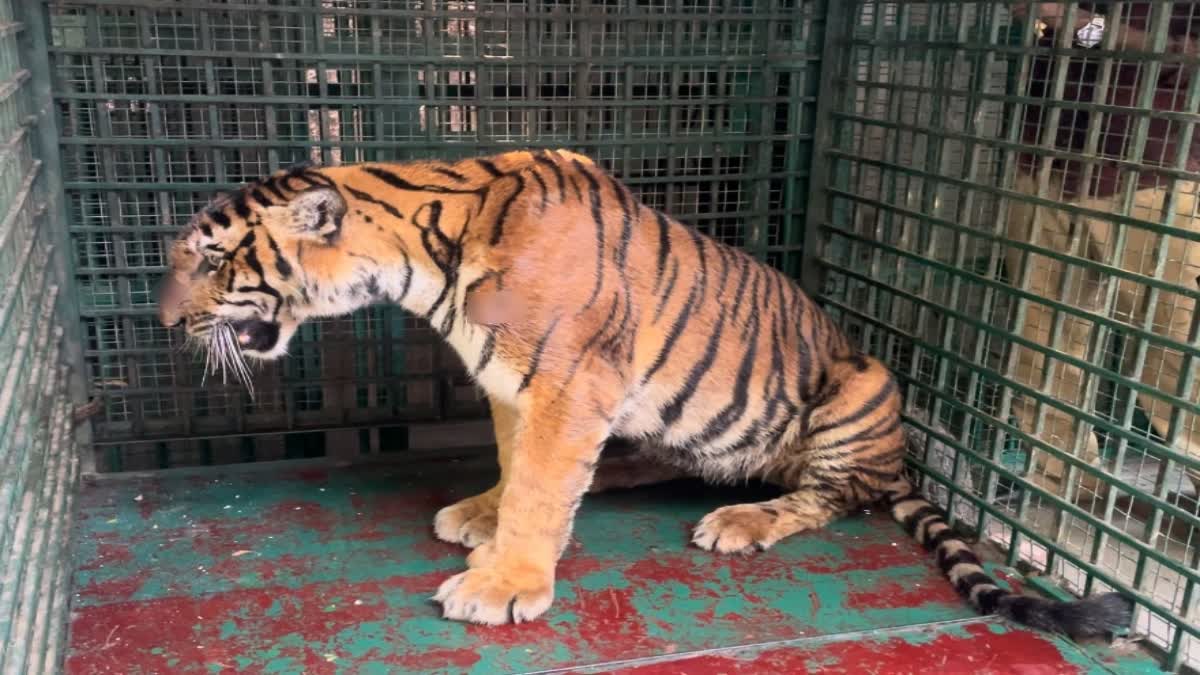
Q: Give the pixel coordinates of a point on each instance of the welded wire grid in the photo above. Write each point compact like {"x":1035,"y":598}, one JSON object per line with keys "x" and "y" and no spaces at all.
{"x":38,"y":460}
{"x":705,"y":107}
{"x":1003,"y":226}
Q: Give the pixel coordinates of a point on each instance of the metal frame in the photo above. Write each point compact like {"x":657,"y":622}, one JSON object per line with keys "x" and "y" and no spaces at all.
{"x":39,"y":459}
{"x":909,"y":227}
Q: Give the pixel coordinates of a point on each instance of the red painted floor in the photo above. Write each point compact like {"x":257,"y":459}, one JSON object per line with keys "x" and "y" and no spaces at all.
{"x":329,"y":570}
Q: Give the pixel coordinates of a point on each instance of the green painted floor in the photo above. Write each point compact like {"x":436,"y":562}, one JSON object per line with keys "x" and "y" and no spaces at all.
{"x":286,"y":569}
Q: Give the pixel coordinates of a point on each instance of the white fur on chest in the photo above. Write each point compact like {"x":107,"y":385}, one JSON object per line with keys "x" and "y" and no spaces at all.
{"x":470,"y":342}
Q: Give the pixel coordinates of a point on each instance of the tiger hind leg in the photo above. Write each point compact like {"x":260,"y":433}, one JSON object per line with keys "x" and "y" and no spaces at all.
{"x":853,"y":449}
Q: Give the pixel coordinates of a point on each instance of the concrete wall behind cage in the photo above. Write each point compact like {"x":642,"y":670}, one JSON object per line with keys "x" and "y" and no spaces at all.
{"x":705,"y":107}
{"x":1010,"y":221}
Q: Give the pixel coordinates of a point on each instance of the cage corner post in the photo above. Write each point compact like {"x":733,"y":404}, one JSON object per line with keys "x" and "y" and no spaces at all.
{"x":35,"y":52}
{"x":831,"y":70}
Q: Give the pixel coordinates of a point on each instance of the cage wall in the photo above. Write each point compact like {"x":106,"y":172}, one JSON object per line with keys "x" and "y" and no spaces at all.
{"x":705,"y":107}
{"x":38,"y":454}
{"x":1010,"y":221}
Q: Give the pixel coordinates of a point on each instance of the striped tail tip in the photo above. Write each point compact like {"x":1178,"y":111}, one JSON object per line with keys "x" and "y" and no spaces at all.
{"x":1090,"y":617}
{"x":1094,"y":616}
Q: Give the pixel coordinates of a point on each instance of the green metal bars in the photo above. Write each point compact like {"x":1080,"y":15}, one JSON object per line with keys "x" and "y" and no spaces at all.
{"x":1008,"y":216}
{"x":38,"y":454}
{"x":1004,"y":213}
{"x":705,"y":107}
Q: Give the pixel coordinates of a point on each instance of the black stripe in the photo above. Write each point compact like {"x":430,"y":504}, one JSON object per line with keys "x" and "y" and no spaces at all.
{"x":674,"y":410}
{"x":272,"y":188}
{"x":408,"y":275}
{"x":816,"y":328}
{"x":262,"y":287}
{"x":972,"y":580}
{"x":247,"y":241}
{"x":205,"y":229}
{"x":942,"y":537}
{"x":482,"y":279}
{"x":604,"y":325}
{"x":622,"y":252}
{"x":947,"y":563}
{"x":761,"y":299}
{"x":922,"y":533}
{"x":803,"y":375}
{"x":865,"y":409}
{"x":878,"y":475}
{"x":246,"y":303}
{"x":489,"y":167}
{"x":238,"y":202}
{"x":738,"y":294}
{"x":444,"y":252}
{"x":910,"y":523}
{"x":536,"y":358}
{"x":598,"y":217}
{"x":303,"y":177}
{"x":402,"y":184}
{"x":367,"y":197}
{"x":218,"y":216}
{"x":498,"y":225}
{"x":282,"y":266}
{"x":664,"y":247}
{"x":322,"y":215}
{"x":989,"y":600}
{"x":258,"y":196}
{"x":755,"y":271}
{"x":775,"y":392}
{"x":875,"y":431}
{"x":695,"y":296}
{"x":558,"y":174}
{"x":545,"y":190}
{"x":666,"y":294}
{"x":450,"y":173}
{"x":736,"y":408}
{"x":616,"y":339}
{"x":909,"y":497}
{"x":486,"y":355}
{"x":592,"y":341}
{"x":448,"y":320}
{"x":314,"y":177}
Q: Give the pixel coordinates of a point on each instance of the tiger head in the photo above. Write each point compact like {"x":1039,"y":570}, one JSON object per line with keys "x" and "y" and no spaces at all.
{"x":308,"y":242}
{"x":234,"y":280}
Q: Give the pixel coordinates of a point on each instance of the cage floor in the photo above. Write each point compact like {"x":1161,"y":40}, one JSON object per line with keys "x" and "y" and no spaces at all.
{"x":316,"y":569}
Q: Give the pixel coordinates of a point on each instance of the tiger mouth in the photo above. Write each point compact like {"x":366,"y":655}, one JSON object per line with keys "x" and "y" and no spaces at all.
{"x":256,"y":336}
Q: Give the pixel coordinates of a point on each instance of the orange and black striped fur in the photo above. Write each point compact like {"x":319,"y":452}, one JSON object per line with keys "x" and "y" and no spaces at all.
{"x":586,"y":317}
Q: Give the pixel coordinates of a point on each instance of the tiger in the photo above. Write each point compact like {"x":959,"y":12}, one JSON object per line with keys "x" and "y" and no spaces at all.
{"x":589,"y":320}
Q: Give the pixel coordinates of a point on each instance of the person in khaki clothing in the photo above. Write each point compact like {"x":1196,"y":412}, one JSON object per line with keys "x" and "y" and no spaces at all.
{"x":1103,"y":187}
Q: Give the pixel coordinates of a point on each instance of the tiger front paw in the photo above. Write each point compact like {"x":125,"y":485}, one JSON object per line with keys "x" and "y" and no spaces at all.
{"x":492,"y":596}
{"x":471,"y":522}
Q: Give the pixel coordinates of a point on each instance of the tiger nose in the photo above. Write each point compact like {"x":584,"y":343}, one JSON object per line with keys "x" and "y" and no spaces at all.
{"x":170,"y":302}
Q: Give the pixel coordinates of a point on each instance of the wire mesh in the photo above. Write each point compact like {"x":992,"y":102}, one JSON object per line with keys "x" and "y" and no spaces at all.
{"x":38,"y":460}
{"x":1010,"y":220}
{"x":705,"y":107}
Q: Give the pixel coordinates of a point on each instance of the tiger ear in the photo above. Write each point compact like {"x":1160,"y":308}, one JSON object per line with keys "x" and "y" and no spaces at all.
{"x":313,"y":214}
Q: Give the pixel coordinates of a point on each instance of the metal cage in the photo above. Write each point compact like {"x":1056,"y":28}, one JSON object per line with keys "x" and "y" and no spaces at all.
{"x":1002,"y":206}
{"x":705,"y":107}
{"x":1007,"y":219}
